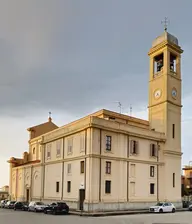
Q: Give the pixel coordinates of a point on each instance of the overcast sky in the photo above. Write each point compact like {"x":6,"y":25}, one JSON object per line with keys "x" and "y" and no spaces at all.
{"x":73,"y":57}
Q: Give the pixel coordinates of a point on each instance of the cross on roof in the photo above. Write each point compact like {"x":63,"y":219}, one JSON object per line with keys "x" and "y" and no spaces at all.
{"x":165,"y":23}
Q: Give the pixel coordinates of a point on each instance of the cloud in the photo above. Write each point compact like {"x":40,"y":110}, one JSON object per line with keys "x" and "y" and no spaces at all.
{"x":73,"y":57}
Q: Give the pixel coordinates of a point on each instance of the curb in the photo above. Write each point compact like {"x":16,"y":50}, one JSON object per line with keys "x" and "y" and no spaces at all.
{"x":86,"y":214}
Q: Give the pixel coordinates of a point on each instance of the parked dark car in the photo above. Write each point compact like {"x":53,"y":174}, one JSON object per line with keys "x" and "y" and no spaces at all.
{"x":57,"y":208}
{"x":21,"y":206}
{"x":10,"y":204}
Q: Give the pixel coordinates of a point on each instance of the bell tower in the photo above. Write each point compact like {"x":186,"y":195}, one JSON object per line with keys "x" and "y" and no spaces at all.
{"x":165,"y":107}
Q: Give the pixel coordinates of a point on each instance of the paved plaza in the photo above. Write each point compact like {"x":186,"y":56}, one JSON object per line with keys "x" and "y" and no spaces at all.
{"x":17,"y":217}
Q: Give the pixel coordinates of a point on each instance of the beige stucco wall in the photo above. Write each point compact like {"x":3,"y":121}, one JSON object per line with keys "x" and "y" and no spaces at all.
{"x":119,"y":173}
{"x":53,"y":173}
{"x":76,"y":179}
{"x":172,"y":165}
{"x":36,"y":182}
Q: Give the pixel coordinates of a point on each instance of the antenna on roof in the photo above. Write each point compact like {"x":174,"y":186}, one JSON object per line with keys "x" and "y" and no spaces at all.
{"x":131,"y":110}
{"x":119,"y":105}
{"x":50,"y":117}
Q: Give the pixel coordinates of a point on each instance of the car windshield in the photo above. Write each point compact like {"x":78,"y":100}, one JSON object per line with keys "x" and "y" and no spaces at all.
{"x":159,"y":204}
{"x":12,"y":202}
{"x":39,"y":203}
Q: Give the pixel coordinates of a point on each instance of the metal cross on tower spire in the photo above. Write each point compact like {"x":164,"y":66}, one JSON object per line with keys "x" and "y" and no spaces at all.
{"x":165,"y":23}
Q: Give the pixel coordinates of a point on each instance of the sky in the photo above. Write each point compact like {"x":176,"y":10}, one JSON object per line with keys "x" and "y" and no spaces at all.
{"x":76,"y":57}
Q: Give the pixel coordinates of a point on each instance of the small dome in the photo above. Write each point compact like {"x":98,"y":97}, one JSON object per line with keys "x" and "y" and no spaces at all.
{"x":165,"y":36}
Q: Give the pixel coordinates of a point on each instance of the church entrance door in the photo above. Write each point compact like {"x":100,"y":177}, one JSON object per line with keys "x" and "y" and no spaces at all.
{"x":81,"y":198}
{"x":27,"y":195}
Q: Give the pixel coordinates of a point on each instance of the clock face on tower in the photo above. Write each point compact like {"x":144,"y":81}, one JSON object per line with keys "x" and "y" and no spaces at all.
{"x":174,"y":93}
{"x":157,"y":94}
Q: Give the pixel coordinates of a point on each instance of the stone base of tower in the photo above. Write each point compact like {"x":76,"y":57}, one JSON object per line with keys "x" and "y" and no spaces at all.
{"x":122,"y":206}
{"x":178,"y":204}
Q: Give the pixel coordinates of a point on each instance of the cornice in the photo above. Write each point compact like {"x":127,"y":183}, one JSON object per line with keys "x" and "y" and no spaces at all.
{"x":95,"y":156}
{"x":153,"y":138}
{"x":170,"y":152}
{"x":165,"y":101}
{"x":66,"y":132}
{"x":163,"y":45}
{"x":163,"y":75}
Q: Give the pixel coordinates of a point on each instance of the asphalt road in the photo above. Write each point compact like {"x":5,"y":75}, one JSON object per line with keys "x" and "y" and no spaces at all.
{"x":17,"y":217}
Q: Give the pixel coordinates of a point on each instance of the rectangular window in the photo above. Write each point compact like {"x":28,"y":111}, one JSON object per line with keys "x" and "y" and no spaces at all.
{"x":173,"y":179}
{"x":107,"y":187}
{"x":49,"y":151}
{"x":69,"y":168}
{"x":152,"y":188}
{"x":153,"y":150}
{"x":108,"y":168}
{"x":108,"y":143}
{"x":134,"y":147}
{"x":68,"y":186}
{"x":132,"y":170}
{"x":173,"y":131}
{"x":112,"y":118}
{"x":152,"y":171}
{"x":82,"y":142}
{"x":58,"y":147}
{"x":82,"y":166}
{"x":57,"y":187}
{"x":132,"y":188}
{"x":70,"y":145}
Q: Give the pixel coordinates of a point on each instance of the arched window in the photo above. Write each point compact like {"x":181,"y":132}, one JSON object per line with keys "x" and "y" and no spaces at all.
{"x":33,"y":150}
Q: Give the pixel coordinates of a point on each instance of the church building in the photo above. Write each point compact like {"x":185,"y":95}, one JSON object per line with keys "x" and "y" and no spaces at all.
{"x":110,"y":161}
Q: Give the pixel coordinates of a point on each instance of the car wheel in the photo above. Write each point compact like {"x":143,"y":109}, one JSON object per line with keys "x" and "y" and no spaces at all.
{"x":45,"y":211}
{"x":173,"y":210}
{"x":54,"y":213}
{"x":161,"y":210}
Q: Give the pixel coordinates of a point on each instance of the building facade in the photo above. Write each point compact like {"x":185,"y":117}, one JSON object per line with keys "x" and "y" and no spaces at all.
{"x":4,"y":192}
{"x":187,"y":179}
{"x":109,"y":161}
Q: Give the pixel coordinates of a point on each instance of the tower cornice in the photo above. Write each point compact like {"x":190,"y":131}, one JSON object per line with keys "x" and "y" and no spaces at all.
{"x":165,"y":101}
{"x":163,"y":45}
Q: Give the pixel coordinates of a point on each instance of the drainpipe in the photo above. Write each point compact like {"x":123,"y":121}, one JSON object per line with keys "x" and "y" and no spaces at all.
{"x":158,"y":149}
{"x":100,"y":165}
{"x":128,"y":168}
{"x":85,"y":168}
{"x":62,"y":182}
{"x":16,"y":179}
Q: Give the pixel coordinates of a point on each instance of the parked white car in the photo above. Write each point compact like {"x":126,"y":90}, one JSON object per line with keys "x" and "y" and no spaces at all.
{"x":190,"y":207}
{"x":163,"y":207}
{"x":36,"y":206}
